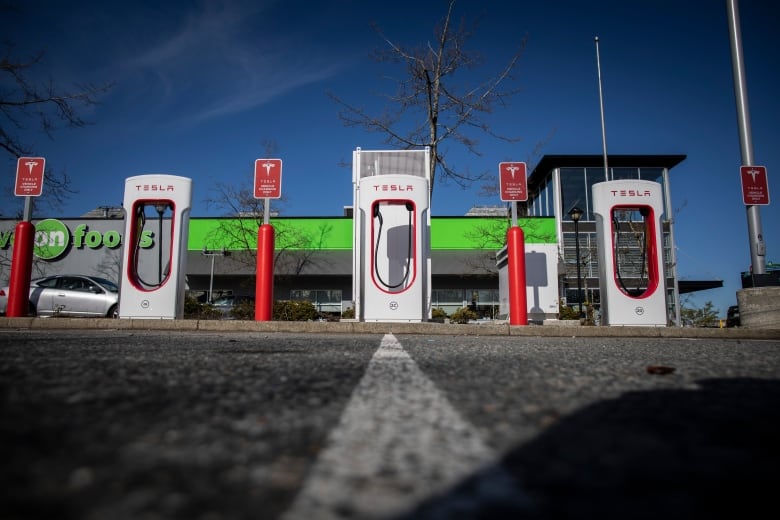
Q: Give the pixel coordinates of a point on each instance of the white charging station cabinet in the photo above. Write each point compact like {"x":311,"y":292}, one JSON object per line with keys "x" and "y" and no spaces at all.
{"x":631,"y":268}
{"x":157,"y":215}
{"x":391,"y":224}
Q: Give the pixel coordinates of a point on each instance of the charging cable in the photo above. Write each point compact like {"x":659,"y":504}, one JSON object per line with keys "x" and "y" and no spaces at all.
{"x":378,"y":215}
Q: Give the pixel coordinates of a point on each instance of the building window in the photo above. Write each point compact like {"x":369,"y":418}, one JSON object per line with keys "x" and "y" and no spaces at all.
{"x":324,"y":300}
{"x":572,"y":190}
{"x":593,"y":176}
{"x":485,"y":302}
{"x":624,"y":173}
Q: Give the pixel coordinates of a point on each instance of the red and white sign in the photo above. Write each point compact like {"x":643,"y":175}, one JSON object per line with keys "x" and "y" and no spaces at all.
{"x":512,"y":181}
{"x":29,"y":176}
{"x":268,"y":178}
{"x":755,"y":186}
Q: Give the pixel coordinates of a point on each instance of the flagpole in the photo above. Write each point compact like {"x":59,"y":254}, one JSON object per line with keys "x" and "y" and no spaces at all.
{"x":601,"y":104}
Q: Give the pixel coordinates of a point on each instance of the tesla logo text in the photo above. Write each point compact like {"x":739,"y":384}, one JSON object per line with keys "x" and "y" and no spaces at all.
{"x":154,"y":187}
{"x":393,"y":187}
{"x":631,"y":193}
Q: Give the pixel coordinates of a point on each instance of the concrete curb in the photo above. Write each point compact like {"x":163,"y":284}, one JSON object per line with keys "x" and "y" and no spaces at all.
{"x":352,"y":327}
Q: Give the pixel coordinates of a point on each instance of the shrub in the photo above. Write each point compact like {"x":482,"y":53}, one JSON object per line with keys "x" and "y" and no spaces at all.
{"x":349,"y":313}
{"x":243,"y":310}
{"x":438,"y":313}
{"x":294,"y":310}
{"x":194,"y":310}
{"x":463,"y":315}
{"x":567,"y":313}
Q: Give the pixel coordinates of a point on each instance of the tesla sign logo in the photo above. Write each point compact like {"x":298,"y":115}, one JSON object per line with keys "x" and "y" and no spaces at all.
{"x":755,"y":187}
{"x":268,"y":178}
{"x":512,"y":181}
{"x":29,"y":176}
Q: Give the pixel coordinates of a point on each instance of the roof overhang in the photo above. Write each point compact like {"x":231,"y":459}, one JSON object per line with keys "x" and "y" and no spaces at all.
{"x":550,"y":162}
{"x":689,"y":286}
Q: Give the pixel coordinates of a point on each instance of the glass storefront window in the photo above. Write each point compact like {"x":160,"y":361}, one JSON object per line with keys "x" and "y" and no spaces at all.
{"x":624,"y":173}
{"x":572,"y":190}
{"x":652,"y":174}
{"x":327,"y":300}
{"x":593,"y":176}
{"x":447,"y":297}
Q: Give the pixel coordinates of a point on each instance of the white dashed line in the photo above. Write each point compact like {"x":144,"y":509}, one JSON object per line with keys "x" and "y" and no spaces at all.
{"x":398,"y":442}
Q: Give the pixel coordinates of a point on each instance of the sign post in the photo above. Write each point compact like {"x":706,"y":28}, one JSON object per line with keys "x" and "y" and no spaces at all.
{"x":268,"y":185}
{"x":29,"y":184}
{"x":513,"y":187}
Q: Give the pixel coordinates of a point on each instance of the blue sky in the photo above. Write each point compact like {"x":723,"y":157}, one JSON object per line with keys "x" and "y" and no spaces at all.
{"x":201,"y":85}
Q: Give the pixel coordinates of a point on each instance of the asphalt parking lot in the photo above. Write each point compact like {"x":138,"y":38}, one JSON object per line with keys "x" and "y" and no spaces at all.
{"x":121,"y":423}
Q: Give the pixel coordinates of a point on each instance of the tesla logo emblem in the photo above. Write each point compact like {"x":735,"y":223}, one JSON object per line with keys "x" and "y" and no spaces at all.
{"x":393,"y":305}
{"x":639,"y":311}
{"x":31,"y":164}
{"x":267,"y":165}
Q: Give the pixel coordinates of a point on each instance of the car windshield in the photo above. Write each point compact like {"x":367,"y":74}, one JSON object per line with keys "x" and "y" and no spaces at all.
{"x":223,"y":301}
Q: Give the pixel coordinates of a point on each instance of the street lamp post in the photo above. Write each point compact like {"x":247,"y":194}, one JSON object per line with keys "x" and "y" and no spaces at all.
{"x":212,"y":254}
{"x":576,"y":213}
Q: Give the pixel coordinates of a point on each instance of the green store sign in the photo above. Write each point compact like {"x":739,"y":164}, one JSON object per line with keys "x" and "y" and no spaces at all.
{"x":53,"y":238}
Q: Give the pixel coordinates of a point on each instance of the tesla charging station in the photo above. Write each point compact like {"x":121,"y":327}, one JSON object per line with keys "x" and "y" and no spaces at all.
{"x":391,"y":254}
{"x":631,"y":270}
{"x":153,"y":275}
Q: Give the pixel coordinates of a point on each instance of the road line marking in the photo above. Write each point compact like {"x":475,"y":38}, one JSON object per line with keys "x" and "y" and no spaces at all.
{"x":398,"y":442}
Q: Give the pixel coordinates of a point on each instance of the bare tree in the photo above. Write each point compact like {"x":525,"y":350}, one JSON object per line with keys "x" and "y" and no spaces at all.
{"x":295,"y":249}
{"x":490,"y":236}
{"x":110,"y":266}
{"x":432,"y":104}
{"x":24,"y":104}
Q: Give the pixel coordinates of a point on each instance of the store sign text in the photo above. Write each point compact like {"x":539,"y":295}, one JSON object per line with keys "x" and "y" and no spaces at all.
{"x":52,"y":239}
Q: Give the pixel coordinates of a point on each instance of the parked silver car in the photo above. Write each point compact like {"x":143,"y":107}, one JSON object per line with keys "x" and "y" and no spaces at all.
{"x":70,"y":295}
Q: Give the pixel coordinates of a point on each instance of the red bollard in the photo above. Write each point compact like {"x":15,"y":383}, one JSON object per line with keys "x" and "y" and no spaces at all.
{"x":21,"y":269}
{"x":518,"y":300}
{"x":264,"y":289}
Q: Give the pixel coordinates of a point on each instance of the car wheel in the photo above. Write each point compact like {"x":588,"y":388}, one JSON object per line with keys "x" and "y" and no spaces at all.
{"x":113,"y":312}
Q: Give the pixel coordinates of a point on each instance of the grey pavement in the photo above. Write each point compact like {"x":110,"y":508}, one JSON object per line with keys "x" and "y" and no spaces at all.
{"x":122,"y":419}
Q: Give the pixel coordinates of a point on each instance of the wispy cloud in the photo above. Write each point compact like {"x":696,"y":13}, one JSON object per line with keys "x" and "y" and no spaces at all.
{"x":224,"y":57}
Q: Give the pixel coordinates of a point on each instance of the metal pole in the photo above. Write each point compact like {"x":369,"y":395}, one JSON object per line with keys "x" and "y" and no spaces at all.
{"x":211,"y":277}
{"x":579,"y":279}
{"x":28,"y":209}
{"x":755,"y":236}
{"x":601,"y":105}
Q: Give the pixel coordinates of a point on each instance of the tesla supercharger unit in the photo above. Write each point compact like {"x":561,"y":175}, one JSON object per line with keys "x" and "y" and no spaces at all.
{"x":157,"y":216}
{"x":391,"y":263}
{"x":631,"y":269}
